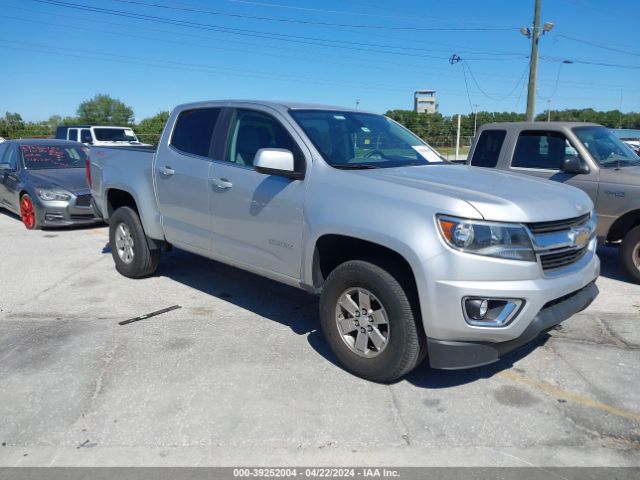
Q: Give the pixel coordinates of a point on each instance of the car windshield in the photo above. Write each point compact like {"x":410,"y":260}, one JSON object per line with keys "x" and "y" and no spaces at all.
{"x":607,"y":149}
{"x":114,"y":135}
{"x":41,"y":157}
{"x":354,"y":140}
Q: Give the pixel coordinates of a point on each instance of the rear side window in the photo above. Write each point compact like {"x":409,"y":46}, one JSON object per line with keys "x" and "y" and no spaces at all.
{"x":72,"y":134}
{"x":544,"y":150}
{"x":488,"y":148}
{"x":194,"y":131}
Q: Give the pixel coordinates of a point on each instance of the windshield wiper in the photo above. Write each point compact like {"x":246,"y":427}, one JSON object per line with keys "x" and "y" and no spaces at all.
{"x":354,"y":166}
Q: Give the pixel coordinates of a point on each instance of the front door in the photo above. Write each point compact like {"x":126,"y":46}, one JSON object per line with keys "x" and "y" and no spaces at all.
{"x":540,"y":153}
{"x":9,"y":178}
{"x":257,"y":218}
{"x":182,"y":179}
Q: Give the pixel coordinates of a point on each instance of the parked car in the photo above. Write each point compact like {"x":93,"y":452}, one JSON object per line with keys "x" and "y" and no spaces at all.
{"x":411,"y":256}
{"x":99,"y":135}
{"x":629,"y":137}
{"x":584,"y":155}
{"x":44,"y":182}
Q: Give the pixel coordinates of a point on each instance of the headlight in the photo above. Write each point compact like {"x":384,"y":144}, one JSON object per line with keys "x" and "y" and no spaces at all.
{"x":592,"y":224}
{"x":52,"y":194}
{"x":501,"y":240}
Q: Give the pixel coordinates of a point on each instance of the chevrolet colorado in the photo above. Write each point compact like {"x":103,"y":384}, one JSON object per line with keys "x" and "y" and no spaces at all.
{"x":412,"y":257}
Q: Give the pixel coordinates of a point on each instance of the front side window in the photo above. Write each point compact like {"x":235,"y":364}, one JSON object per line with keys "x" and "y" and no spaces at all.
{"x":607,"y":149}
{"x":11,"y":157}
{"x":488,"y":149}
{"x":85,"y":136}
{"x":43,"y":157}
{"x":193,"y":132}
{"x":542,"y":150}
{"x":347,"y":139}
{"x":251,"y":131}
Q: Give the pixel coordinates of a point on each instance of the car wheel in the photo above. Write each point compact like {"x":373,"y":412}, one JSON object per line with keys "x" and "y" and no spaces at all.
{"x":368,"y":321}
{"x":28,"y":213}
{"x":129,"y":247}
{"x":630,"y":253}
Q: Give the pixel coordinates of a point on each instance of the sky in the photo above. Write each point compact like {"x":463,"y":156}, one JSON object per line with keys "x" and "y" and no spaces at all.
{"x":156,"y":54}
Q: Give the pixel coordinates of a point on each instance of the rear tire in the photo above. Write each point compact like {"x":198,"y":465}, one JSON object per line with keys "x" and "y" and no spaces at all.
{"x":381,"y":345}
{"x":630,"y":253}
{"x":129,"y":247}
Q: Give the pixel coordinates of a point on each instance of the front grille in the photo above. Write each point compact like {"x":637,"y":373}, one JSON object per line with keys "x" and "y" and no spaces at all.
{"x":83,"y":201}
{"x":555,"y":260}
{"x":557,"y":225}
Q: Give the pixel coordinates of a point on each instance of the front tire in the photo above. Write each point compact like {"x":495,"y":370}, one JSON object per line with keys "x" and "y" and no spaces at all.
{"x":630,"y":253}
{"x":28,"y":213}
{"x":368,"y":321}
{"x":129,"y":247}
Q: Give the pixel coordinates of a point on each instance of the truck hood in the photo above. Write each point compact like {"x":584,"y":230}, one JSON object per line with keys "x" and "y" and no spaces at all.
{"x":496,"y":195}
{"x":73,"y":180}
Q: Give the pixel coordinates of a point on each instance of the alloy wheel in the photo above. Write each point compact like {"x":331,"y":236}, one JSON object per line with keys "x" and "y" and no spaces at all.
{"x":362,"y":322}
{"x":124,"y":243}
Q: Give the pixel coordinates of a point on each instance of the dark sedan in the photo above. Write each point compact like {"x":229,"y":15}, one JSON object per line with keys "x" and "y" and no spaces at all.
{"x":44,"y":182}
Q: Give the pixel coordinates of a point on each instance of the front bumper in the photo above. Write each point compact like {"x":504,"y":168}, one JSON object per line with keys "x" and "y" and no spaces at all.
{"x":451,"y":355}
{"x":65,"y":213}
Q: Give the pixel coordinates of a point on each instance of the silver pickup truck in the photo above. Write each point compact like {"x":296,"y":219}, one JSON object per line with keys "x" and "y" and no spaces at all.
{"x":585,"y":155}
{"x":412,"y":257}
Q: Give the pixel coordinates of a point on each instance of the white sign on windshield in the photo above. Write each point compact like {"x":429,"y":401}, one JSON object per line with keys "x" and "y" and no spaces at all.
{"x":428,"y":154}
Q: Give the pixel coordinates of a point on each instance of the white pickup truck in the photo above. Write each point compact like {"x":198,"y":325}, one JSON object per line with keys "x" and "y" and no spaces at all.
{"x":413,"y":257}
{"x":100,"y":136}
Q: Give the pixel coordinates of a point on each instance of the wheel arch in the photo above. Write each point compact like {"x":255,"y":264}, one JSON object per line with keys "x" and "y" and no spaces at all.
{"x":331,"y":250}
{"x":622,"y":225}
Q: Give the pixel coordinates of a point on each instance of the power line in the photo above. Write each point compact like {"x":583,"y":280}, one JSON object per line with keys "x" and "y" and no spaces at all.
{"x":597,"y":45}
{"x":587,"y":62}
{"x":310,"y":22}
{"x":298,"y":39}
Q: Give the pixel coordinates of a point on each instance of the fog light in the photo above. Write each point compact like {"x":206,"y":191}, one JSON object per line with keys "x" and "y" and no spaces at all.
{"x":490,"y":312}
{"x":477,"y":308}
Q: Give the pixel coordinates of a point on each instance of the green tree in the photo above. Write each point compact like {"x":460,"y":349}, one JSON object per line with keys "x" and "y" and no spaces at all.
{"x":104,"y":110}
{"x":149,"y":129}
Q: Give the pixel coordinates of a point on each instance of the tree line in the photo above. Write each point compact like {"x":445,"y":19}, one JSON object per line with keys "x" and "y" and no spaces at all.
{"x":437,"y":129}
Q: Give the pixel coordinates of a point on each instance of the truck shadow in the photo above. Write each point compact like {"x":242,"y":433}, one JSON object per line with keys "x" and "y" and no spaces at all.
{"x":298,"y":310}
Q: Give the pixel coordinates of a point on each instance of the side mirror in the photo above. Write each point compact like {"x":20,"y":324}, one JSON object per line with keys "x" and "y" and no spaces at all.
{"x":572,"y":164}
{"x":276,"y":161}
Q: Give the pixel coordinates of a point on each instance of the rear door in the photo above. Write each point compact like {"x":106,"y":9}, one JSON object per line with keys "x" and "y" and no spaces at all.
{"x":182,"y":179}
{"x":257,"y":218}
{"x":540,"y":153}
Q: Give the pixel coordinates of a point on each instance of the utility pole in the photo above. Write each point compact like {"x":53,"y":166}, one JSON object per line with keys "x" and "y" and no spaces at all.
{"x":475,"y":118}
{"x":533,"y":64}
{"x":458,"y":139}
{"x":533,"y":59}
{"x":548,"y":109}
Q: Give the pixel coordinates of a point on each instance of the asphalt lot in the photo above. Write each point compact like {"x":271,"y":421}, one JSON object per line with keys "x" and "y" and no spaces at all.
{"x":241,"y":376}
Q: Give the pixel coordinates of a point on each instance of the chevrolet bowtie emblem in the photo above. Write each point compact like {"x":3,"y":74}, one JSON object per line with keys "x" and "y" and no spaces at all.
{"x":579,"y":237}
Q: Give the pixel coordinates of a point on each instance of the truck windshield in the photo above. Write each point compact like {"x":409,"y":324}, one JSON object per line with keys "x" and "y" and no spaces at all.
{"x":354,"y":140}
{"x":114,"y":135}
{"x":607,"y":149}
{"x":41,"y":157}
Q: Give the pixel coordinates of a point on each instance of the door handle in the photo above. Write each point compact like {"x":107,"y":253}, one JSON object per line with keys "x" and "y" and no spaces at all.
{"x":166,"y":171}
{"x":222,"y":183}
